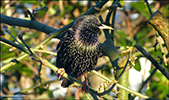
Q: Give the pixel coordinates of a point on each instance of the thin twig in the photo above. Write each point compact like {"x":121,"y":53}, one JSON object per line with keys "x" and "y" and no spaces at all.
{"x":14,"y":44}
{"x":149,"y":8}
{"x":21,"y":38}
{"x":110,"y":8}
{"x":6,"y":30}
{"x":162,"y":51}
{"x":155,"y":45}
{"x":113,"y":20}
{"x":36,"y":58}
{"x":40,"y":67}
{"x":114,"y":84}
{"x":120,"y":86}
{"x":44,"y":51}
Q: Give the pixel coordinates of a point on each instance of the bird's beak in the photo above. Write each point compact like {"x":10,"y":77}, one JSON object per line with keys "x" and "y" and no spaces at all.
{"x":105,"y":27}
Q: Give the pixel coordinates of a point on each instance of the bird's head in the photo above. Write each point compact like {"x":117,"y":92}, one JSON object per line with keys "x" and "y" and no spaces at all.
{"x":89,"y":24}
{"x":86,"y":29}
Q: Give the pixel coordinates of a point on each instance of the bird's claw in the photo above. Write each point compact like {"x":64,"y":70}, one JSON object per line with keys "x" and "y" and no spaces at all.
{"x":62,"y":72}
{"x":85,"y":84}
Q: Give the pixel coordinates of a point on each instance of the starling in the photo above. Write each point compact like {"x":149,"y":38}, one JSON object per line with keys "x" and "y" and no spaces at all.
{"x":79,"y":49}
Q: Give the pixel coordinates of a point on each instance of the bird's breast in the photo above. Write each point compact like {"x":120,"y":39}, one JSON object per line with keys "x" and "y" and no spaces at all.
{"x":85,"y":41}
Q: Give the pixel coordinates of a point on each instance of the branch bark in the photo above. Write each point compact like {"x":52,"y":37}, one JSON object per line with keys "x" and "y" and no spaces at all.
{"x":32,"y":24}
{"x":161,"y":24}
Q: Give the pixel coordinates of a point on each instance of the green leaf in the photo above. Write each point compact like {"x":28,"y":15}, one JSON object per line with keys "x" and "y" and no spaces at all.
{"x":137,"y":66}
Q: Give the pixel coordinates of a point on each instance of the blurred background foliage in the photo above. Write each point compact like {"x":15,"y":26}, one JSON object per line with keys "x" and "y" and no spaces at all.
{"x":131,"y":27}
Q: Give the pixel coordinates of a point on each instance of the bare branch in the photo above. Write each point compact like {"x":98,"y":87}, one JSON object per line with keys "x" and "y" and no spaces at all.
{"x":32,"y":24}
{"x":154,"y":62}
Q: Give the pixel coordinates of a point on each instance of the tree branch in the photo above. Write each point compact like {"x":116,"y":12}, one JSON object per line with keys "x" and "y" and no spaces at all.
{"x":32,"y":24}
{"x":154,"y":62}
{"x":160,"y":23}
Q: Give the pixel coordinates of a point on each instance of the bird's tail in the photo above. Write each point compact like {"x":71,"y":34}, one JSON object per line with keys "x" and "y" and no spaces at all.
{"x":67,"y":83}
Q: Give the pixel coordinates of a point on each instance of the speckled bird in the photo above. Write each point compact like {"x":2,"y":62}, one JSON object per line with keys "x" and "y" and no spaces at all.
{"x":79,"y":49}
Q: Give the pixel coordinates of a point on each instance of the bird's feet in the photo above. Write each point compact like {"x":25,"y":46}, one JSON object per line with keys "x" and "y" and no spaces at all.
{"x":61,"y":71}
{"x":85,"y":84}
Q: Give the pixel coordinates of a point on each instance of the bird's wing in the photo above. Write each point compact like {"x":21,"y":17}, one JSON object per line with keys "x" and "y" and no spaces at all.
{"x":59,"y":45}
{"x":60,"y":61}
{"x":62,"y":40}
